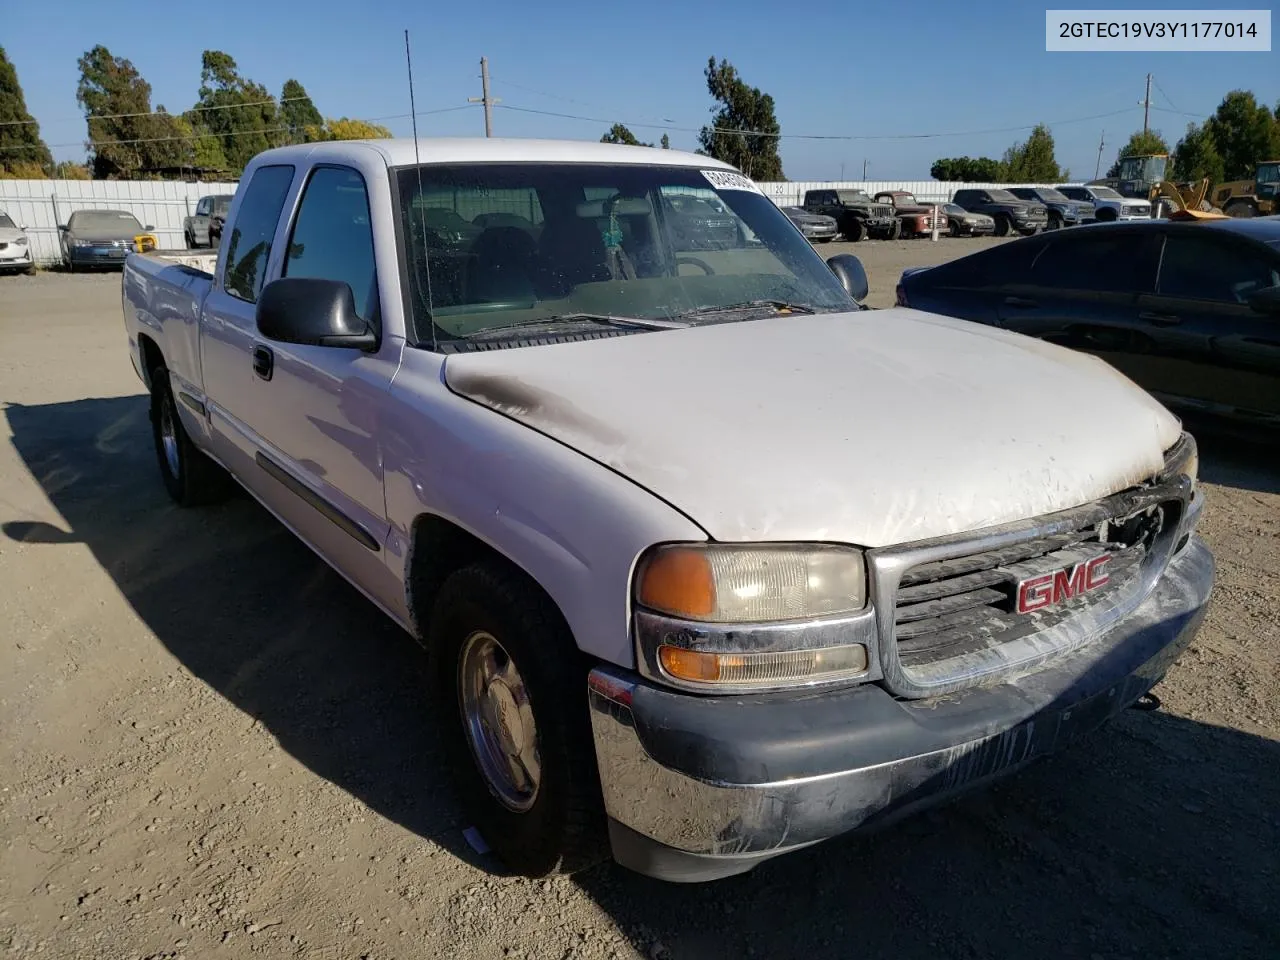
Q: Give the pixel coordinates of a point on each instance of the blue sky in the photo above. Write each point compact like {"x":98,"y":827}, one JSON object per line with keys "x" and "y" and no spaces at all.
{"x":867,"y":70}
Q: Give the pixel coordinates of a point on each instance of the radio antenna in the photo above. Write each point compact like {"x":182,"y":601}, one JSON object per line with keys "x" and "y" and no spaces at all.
{"x":417,"y":164}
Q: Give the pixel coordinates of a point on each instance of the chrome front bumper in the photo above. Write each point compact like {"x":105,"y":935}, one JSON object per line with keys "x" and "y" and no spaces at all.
{"x":703,"y":787}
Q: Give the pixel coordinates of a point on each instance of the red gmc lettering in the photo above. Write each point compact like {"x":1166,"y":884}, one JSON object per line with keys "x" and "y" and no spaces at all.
{"x":1044,"y":591}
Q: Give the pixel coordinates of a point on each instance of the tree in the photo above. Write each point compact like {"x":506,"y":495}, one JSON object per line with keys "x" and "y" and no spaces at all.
{"x":345,"y":129}
{"x":1141,"y":144}
{"x":1242,"y":130}
{"x":666,"y":142}
{"x":966,"y":169}
{"x":297,"y":111}
{"x":241,"y":114}
{"x":619,"y":133}
{"x":1196,"y":156}
{"x":70,"y":170}
{"x":126,"y":138}
{"x":20,"y":143}
{"x":1032,"y":161}
{"x":744,"y":129}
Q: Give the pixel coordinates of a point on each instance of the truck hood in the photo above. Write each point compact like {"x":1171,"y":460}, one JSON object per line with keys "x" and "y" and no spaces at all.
{"x":10,"y":234}
{"x":871,"y":428}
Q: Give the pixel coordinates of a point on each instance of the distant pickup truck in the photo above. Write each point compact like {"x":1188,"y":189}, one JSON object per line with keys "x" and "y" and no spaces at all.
{"x":711,"y":562}
{"x":204,"y":227}
{"x":1011,"y":214}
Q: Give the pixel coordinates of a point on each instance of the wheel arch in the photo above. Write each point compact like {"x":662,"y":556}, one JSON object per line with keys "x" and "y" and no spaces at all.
{"x":439,"y":548}
{"x":151,"y":357}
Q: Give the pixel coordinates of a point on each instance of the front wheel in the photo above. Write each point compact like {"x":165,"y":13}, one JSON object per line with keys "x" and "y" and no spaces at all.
{"x":1004,"y":226}
{"x":511,"y":691}
{"x":190,"y":477}
{"x":1055,"y":223}
{"x":854,"y":230}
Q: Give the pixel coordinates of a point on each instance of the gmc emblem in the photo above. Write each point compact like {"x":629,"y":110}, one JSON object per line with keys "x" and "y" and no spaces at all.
{"x":1036,"y":593}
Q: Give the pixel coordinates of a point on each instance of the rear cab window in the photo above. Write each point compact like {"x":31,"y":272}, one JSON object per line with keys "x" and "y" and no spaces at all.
{"x":253,"y":232}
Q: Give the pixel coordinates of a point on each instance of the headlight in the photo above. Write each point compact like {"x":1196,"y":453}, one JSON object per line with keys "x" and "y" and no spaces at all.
{"x":1183,"y":459}
{"x":729,"y":618}
{"x":729,"y":583}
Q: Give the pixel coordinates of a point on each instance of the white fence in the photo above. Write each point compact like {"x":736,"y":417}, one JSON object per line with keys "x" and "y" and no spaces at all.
{"x":41,"y":205}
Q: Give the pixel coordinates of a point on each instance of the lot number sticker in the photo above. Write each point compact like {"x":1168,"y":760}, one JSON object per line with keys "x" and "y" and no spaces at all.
{"x":728,"y":180}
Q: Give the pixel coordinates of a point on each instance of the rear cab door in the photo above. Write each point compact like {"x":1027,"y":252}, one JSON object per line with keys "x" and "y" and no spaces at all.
{"x":1209,"y":347}
{"x":1082,"y":292}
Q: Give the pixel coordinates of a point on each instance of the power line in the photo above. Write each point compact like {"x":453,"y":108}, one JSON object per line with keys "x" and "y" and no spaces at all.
{"x":1163,"y":94}
{"x":823,"y":136}
{"x":556,"y":96}
{"x":156,"y":113}
{"x":231,"y":133}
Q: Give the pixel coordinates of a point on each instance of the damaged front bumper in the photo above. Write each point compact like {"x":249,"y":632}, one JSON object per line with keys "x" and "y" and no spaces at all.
{"x":698,"y":788}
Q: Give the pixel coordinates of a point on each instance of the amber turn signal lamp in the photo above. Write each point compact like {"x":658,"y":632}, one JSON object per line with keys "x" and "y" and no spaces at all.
{"x":679,"y":582}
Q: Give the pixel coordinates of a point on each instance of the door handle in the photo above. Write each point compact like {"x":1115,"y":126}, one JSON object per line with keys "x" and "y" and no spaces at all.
{"x":1019,"y":302}
{"x":1160,"y":319}
{"x":263,"y":362}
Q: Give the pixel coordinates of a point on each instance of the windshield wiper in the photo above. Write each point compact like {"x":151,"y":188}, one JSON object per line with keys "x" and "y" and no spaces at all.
{"x":605,"y":319}
{"x":782,"y":306}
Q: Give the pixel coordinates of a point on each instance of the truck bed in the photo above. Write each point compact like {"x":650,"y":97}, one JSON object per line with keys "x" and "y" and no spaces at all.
{"x":164,"y":291}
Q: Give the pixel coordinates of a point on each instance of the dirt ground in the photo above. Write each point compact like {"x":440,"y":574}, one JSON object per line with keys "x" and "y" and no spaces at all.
{"x":210,"y":746}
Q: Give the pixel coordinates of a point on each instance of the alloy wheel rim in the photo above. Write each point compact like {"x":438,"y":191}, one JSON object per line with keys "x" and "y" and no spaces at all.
{"x":499,"y":723}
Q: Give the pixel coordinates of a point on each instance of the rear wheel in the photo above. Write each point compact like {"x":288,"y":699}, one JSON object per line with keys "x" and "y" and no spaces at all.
{"x":190,"y":477}
{"x":1241,"y":208}
{"x":510,"y":688}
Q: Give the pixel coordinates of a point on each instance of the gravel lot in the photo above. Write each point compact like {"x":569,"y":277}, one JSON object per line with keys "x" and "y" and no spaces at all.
{"x":210,"y":746}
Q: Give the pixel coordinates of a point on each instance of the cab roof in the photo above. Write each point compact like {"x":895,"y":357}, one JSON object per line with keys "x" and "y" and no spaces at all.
{"x":399,"y":152}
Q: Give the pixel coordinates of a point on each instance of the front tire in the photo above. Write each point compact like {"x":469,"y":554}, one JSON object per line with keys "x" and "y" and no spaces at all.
{"x":1004,"y":226}
{"x":511,"y":692}
{"x":854,"y":230}
{"x":1055,"y":222}
{"x":190,"y":477}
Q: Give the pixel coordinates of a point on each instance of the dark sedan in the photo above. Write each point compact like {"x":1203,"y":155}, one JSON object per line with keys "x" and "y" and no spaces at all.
{"x":1188,"y":310}
{"x":99,"y":238}
{"x":816,"y":227}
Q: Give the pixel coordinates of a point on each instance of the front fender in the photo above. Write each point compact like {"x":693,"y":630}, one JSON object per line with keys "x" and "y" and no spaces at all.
{"x":573,"y":525}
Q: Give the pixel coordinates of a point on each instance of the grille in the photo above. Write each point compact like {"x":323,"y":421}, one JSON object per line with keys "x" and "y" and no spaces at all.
{"x":883,"y":211}
{"x":965,"y":606}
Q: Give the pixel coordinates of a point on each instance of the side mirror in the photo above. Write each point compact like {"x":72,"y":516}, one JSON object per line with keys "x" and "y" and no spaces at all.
{"x":148,"y":228}
{"x":62,"y":227}
{"x":1266,"y":301}
{"x":312,"y":311}
{"x":849,"y":271}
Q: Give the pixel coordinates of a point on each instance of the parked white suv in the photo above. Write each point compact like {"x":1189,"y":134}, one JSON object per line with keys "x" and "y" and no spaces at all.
{"x":1108,"y":205}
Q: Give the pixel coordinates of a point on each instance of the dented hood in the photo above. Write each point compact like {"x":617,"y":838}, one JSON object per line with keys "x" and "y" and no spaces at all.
{"x":872,"y":428}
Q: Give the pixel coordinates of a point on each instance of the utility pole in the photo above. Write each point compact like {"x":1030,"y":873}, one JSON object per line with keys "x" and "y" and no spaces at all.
{"x":487,"y":100}
{"x":1102,"y":141}
{"x":864,"y":169}
{"x":1146,"y":105}
{"x":842,"y":173}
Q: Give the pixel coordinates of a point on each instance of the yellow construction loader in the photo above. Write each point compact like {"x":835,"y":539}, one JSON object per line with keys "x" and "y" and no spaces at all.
{"x":1259,"y":197}
{"x":1143,"y":176}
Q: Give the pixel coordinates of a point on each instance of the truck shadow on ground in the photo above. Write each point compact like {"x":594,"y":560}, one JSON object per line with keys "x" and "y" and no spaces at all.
{"x":1159,"y":836}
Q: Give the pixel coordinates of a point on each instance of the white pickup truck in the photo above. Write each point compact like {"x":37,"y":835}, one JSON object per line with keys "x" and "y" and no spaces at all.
{"x":711,"y":562}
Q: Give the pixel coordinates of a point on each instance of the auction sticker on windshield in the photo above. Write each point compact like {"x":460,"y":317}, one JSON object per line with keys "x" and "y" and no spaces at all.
{"x":728,"y":180}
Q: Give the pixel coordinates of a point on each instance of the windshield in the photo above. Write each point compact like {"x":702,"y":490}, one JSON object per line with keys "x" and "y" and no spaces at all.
{"x":113,"y":224}
{"x":1050,"y":195}
{"x":1001,"y":196}
{"x":1106,"y":193}
{"x":1147,"y":169}
{"x":852,"y":196}
{"x":491,"y":246}
{"x":954,"y":210}
{"x":5,"y":222}
{"x":1268,"y":172}
{"x":220,"y":206}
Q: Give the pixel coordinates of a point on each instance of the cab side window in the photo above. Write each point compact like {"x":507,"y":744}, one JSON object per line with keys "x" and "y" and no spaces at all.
{"x":1204,"y":268}
{"x":254,"y":230}
{"x":332,"y":236}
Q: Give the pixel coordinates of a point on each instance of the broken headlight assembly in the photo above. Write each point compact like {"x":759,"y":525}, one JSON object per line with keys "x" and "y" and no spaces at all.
{"x":737,"y":618}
